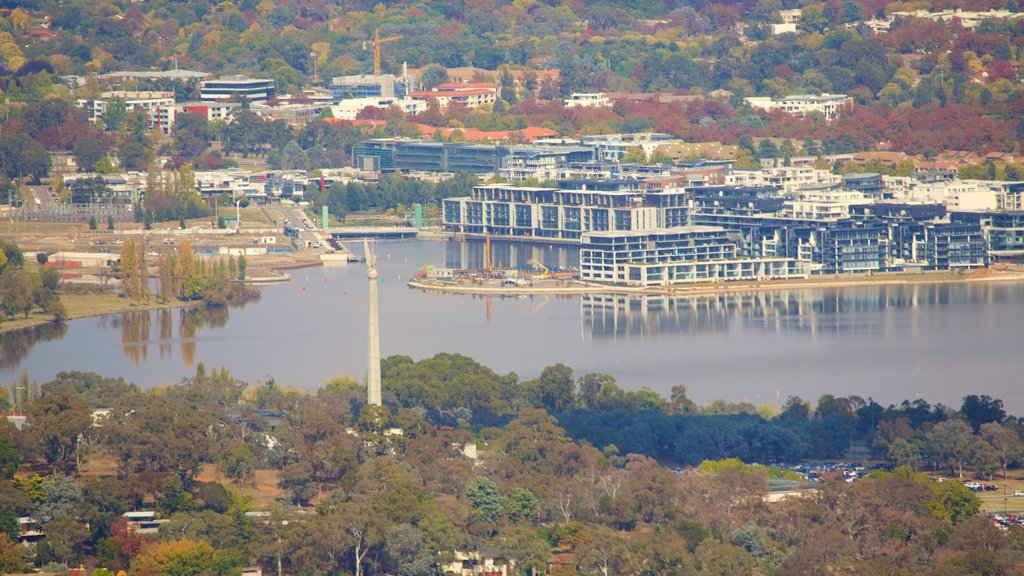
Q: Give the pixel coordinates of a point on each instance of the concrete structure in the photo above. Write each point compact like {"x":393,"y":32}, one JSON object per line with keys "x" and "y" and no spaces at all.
{"x":370,"y":86}
{"x":373,"y":393}
{"x":829,"y":105}
{"x":588,"y":100}
{"x":236,"y":87}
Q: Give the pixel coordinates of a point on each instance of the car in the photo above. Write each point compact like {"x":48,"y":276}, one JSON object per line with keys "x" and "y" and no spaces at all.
{"x":1018,"y":492}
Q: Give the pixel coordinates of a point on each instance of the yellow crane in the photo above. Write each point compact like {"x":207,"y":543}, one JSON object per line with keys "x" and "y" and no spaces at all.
{"x":544,"y":269}
{"x":377,"y":41}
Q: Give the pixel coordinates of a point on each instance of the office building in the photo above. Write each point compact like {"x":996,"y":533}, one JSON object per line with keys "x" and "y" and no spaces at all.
{"x":237,"y":87}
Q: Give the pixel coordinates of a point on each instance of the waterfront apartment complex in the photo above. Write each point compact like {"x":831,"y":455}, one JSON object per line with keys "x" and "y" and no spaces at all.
{"x":633,"y":233}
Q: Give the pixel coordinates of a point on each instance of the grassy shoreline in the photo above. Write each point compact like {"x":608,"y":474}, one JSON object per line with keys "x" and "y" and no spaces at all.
{"x":89,"y":305}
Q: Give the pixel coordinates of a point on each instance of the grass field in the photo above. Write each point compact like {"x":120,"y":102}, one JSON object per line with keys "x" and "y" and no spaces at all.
{"x":83,"y":306}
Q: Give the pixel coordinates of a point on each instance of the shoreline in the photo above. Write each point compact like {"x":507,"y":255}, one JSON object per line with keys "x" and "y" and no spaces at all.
{"x":938,"y":277}
{"x":36,"y":320}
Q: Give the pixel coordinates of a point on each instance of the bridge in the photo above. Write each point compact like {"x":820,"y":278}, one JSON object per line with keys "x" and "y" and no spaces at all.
{"x":379,"y":232}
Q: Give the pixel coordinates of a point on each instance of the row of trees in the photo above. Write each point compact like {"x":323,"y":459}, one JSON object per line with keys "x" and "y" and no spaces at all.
{"x":183,"y":276}
{"x":23,"y":290}
{"x":405,"y":504}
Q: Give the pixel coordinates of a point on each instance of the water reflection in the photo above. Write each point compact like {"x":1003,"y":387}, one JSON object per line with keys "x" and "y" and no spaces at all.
{"x":136,"y":335}
{"x":15,"y":346}
{"x":815,"y":311}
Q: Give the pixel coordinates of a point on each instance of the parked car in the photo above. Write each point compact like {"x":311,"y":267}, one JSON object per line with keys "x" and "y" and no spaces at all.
{"x":1018,"y":492}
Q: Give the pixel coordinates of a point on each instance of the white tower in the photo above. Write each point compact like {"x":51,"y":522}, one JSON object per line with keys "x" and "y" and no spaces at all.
{"x":372,"y":332}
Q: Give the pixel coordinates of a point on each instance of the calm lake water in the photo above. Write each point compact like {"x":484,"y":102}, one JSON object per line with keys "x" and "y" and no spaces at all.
{"x":937,"y":342}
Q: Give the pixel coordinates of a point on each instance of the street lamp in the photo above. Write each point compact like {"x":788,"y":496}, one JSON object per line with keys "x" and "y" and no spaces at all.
{"x":1004,"y":498}
{"x":238,"y":215}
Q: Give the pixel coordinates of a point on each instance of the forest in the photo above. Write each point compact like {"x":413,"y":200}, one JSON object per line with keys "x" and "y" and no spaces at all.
{"x":551,"y":484}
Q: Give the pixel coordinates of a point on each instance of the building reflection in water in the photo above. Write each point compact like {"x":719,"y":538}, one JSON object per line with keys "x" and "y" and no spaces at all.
{"x":815,"y":311}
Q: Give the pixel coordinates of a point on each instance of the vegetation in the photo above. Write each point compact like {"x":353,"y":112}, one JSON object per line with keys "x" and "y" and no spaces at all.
{"x":387,"y":503}
{"x":23,"y":291}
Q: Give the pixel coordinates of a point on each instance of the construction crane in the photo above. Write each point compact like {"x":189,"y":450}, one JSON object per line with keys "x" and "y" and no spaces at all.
{"x":544,"y":269}
{"x":487,"y":252}
{"x":377,"y":41}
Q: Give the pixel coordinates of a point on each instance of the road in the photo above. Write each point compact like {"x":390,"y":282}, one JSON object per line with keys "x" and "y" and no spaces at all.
{"x":309,"y":238}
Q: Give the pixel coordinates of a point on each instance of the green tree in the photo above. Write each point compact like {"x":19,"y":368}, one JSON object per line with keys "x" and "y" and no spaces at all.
{"x":58,"y":423}
{"x":67,"y":537}
{"x":483,"y":495}
{"x":88,"y":151}
{"x":116,"y":114}
{"x":10,"y":457}
{"x":952,"y":441}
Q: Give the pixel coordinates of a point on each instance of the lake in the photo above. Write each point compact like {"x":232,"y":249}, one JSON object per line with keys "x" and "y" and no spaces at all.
{"x":933,"y":341}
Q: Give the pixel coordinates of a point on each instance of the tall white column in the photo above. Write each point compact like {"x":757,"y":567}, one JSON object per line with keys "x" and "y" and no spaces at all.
{"x":372,"y":333}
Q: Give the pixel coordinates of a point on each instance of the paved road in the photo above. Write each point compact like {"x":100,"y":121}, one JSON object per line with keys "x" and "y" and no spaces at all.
{"x":296,"y":218}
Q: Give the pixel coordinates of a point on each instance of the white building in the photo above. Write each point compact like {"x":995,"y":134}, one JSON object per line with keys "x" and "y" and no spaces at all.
{"x":159,"y":106}
{"x":349,"y":109}
{"x":829,"y":105}
{"x":213,"y":111}
{"x":588,"y":100}
{"x":823,"y":202}
{"x":790,"y":179}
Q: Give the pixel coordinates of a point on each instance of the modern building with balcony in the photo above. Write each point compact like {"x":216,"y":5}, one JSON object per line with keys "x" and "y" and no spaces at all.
{"x":563,"y":213}
{"x":675,"y":256}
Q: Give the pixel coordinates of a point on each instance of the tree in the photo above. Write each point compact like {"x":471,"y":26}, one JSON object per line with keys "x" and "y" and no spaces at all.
{"x":238,"y":462}
{"x":979,"y":410}
{"x":1005,"y":441}
{"x":10,"y":457}
{"x":60,"y":497}
{"x":487,"y":502}
{"x":58,"y":423}
{"x":952,"y":441}
{"x":10,"y":555}
{"x":190,"y":283}
{"x":115,"y":114}
{"x":556,"y":388}
{"x":67,"y":536}
{"x":243,"y":265}
{"x":405,"y":545}
{"x":521,"y":504}
{"x":21,"y":156}
{"x":177,"y":558}
{"x":522,"y":545}
{"x":88,"y":151}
